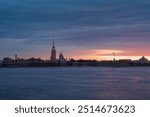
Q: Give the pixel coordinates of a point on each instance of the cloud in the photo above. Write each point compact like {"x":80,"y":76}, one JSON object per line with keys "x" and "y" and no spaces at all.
{"x":88,"y":24}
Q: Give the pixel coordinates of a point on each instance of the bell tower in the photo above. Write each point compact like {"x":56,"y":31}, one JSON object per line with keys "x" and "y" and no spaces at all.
{"x":53,"y":51}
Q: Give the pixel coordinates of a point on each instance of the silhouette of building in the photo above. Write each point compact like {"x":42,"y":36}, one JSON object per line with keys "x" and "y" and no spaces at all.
{"x":61,"y":57}
{"x":7,"y":60}
{"x":53,"y":51}
{"x":16,"y":57}
{"x":143,"y":60}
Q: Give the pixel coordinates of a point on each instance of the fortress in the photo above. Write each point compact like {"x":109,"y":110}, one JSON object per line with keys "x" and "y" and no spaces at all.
{"x":61,"y":61}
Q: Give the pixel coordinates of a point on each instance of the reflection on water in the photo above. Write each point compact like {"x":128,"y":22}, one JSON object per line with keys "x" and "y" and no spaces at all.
{"x":75,"y":83}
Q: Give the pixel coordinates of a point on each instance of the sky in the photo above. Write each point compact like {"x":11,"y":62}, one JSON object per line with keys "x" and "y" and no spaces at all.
{"x":84,"y":29}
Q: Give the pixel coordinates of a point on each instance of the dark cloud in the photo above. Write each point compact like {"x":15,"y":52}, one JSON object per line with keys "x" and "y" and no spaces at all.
{"x":82,"y":24}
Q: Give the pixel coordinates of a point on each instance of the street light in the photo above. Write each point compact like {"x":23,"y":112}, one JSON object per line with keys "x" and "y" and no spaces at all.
{"x":114,"y":55}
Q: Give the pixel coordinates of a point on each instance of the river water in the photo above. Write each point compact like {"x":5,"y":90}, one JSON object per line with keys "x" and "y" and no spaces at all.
{"x":81,"y":83}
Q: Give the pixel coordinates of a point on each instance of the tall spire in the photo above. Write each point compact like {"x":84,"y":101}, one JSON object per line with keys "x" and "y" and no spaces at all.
{"x":53,"y":51}
{"x":53,"y":40}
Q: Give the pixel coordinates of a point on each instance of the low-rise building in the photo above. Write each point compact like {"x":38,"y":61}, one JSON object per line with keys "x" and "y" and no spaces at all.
{"x":143,"y":60}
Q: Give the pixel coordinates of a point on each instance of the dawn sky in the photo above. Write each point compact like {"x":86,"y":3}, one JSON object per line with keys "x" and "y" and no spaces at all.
{"x":88,"y":29}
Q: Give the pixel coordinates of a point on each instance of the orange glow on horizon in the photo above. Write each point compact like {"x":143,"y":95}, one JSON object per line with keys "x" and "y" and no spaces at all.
{"x":99,"y":55}
{"x":108,"y":55}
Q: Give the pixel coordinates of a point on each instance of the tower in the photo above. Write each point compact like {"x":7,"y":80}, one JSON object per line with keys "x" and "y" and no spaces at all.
{"x":53,"y":51}
{"x":61,"y":57}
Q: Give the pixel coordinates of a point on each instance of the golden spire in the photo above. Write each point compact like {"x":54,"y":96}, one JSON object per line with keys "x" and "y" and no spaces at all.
{"x":53,"y":40}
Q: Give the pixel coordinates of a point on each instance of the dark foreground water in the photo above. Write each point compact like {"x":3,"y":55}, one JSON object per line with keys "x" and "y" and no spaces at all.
{"x":75,"y":83}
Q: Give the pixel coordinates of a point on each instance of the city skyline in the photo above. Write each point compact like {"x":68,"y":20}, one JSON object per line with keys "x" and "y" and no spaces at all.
{"x":87,"y":29}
